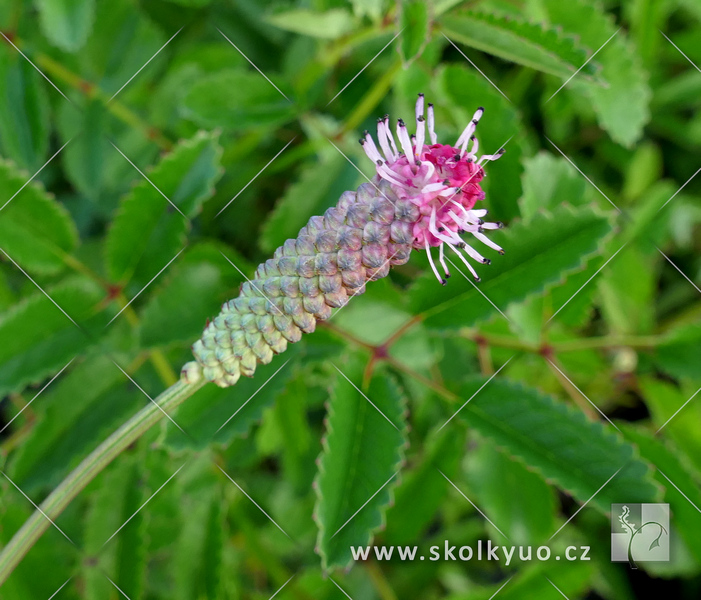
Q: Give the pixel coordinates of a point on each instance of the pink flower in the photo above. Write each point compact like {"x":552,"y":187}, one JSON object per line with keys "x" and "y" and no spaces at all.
{"x":443,"y":181}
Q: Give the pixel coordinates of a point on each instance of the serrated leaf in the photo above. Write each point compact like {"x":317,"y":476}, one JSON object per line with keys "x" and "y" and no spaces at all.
{"x":538,"y":254}
{"x":516,"y":40}
{"x":359,"y":465}
{"x":93,"y":399}
{"x":573,"y":299}
{"x":35,"y":230}
{"x":147,"y":231}
{"x":622,"y":106}
{"x":236,"y":100}
{"x":216,"y":415}
{"x":90,"y":162}
{"x":558,"y":441}
{"x":495,"y":480}
{"x":414,"y":28}
{"x":121,"y":41}
{"x":198,"y":549}
{"x":123,"y":557}
{"x":330,"y":24}
{"x":682,"y":494}
{"x":177,"y":311}
{"x":39,"y":339}
{"x":422,"y":489}
{"x":24,"y":112}
{"x":66,"y":23}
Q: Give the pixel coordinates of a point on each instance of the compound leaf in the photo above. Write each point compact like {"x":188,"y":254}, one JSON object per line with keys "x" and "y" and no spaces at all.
{"x":576,"y":454}
{"x":516,"y":40}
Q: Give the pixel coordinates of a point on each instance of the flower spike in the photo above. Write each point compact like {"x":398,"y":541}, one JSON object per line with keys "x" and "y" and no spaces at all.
{"x":420,"y":198}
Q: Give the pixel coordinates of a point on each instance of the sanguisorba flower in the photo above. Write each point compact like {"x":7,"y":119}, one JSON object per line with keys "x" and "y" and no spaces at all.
{"x":423,"y":196}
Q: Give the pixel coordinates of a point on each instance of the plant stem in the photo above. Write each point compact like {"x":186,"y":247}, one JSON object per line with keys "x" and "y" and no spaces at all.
{"x":641,"y":342}
{"x":87,"y":470}
{"x":595,"y":343}
{"x":498,"y":340}
{"x":577,"y":397}
{"x":429,"y":383}
{"x":371,"y":99}
{"x":379,"y":581}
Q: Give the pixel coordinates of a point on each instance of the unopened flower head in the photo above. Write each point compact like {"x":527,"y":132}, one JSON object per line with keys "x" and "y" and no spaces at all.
{"x":443,"y":181}
{"x":422,"y":197}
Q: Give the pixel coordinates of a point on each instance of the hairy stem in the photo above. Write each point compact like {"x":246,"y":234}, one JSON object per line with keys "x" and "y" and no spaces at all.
{"x":87,"y":470}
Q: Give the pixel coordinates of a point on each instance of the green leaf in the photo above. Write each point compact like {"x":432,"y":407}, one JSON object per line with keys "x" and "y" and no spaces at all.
{"x":123,"y":557}
{"x":192,"y":3}
{"x":216,"y":415}
{"x":147,"y":231}
{"x":571,"y":578}
{"x":198,"y":549}
{"x":461,"y":90}
{"x":678,"y":355}
{"x":39,"y":339}
{"x":236,"y":100}
{"x":24,"y":112}
{"x":414,"y":28}
{"x":682,"y":494}
{"x":35,"y":230}
{"x":622,"y":106}
{"x":291,"y":419}
{"x":66,"y":23}
{"x":516,"y":40}
{"x":90,"y":161}
{"x":330,"y":25}
{"x":664,"y":401}
{"x":496,"y":480}
{"x":419,"y":495}
{"x":538,"y":254}
{"x":122,"y":40}
{"x":372,"y":8}
{"x":549,"y":181}
{"x":51,"y":557}
{"x":644,"y":170}
{"x":359,"y":465}
{"x":627,"y":288}
{"x":90,"y":400}
{"x":194,"y":290}
{"x":559,"y":442}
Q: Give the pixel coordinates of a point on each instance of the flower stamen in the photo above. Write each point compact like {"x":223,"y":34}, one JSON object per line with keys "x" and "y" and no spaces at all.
{"x":436,"y":178}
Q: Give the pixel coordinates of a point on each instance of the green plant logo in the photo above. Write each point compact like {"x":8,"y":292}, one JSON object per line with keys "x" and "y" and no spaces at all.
{"x":639,"y":532}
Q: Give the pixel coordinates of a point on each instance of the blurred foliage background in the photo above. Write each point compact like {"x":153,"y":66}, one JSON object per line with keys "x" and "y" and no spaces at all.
{"x":171,"y":144}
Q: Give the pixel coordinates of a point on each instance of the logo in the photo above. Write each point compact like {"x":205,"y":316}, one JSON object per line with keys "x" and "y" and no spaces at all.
{"x":639,"y":532}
